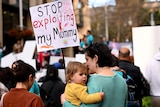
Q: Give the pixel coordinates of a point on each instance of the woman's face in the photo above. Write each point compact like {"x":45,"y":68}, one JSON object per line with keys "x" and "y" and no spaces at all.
{"x":91,"y":64}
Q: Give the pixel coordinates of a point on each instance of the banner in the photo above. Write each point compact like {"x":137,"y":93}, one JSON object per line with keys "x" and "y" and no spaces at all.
{"x":54,"y":25}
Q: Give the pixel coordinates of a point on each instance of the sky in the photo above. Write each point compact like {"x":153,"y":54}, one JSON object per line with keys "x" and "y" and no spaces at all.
{"x":97,"y":3}
{"x":152,"y":0}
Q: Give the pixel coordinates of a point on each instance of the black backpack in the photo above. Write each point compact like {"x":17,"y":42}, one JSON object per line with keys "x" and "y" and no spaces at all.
{"x":132,"y":91}
{"x":145,"y":89}
{"x":45,"y":91}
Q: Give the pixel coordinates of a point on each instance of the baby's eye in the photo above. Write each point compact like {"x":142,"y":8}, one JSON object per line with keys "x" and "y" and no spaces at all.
{"x":81,"y":74}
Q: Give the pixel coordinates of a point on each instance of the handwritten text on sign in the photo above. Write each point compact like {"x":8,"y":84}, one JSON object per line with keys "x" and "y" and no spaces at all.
{"x":54,"y":25}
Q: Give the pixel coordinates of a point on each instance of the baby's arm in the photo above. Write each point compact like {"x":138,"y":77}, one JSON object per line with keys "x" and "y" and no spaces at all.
{"x":89,"y":98}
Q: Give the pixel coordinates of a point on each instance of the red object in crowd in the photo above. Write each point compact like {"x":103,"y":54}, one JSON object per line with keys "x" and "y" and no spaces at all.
{"x":40,"y":59}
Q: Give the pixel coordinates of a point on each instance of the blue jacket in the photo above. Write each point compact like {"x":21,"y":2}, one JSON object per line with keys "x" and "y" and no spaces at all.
{"x":35,"y":88}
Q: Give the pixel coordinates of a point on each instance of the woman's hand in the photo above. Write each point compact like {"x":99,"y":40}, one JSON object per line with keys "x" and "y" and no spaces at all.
{"x":63,"y":98}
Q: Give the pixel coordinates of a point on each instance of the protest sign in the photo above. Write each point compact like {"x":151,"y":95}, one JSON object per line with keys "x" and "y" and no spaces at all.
{"x":54,"y":25}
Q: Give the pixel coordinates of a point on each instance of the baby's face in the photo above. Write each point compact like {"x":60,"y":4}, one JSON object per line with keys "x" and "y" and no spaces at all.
{"x":79,"y":78}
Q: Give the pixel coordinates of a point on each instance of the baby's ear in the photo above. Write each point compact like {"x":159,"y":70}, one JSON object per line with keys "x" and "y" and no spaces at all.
{"x":70,"y":77}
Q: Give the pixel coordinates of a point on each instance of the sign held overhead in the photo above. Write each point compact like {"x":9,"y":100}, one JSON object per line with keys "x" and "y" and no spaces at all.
{"x":54,"y":25}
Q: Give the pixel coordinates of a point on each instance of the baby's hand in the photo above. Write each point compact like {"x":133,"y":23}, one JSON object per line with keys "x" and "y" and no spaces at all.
{"x":101,"y":94}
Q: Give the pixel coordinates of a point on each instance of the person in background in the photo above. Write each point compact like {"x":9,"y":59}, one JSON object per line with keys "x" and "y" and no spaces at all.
{"x":152,"y":73}
{"x":17,"y":47}
{"x":90,"y":37}
{"x":99,"y":61}
{"x":104,"y":40}
{"x":133,"y":99}
{"x":1,"y":52}
{"x":56,"y":52}
{"x":5,"y":74}
{"x":24,"y":75}
{"x":52,"y":87}
{"x":35,"y":88}
{"x":83,"y":45}
{"x":114,"y":46}
{"x":132,"y":70}
{"x":46,"y":61}
{"x":76,"y":89}
{"x":40,"y":59}
{"x":3,"y":89}
{"x":59,"y":64}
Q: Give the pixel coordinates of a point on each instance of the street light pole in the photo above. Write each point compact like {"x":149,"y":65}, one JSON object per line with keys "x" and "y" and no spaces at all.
{"x":21,"y":14}
{"x":106,"y":21}
{"x":152,"y":19}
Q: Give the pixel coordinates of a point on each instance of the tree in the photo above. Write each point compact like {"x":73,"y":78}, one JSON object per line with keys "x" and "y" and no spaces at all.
{"x":121,"y":19}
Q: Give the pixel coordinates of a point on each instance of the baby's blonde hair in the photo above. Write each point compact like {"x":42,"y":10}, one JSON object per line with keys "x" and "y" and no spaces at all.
{"x":73,"y":67}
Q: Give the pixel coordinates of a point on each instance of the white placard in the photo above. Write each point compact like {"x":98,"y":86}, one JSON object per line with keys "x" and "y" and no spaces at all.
{"x":54,"y":25}
{"x":146,"y":43}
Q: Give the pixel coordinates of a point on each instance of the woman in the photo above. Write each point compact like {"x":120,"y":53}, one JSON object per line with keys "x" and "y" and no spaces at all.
{"x":24,"y":76}
{"x":99,"y":60}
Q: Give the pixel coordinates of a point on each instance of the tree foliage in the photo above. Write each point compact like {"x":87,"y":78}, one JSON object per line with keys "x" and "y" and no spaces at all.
{"x":121,"y":19}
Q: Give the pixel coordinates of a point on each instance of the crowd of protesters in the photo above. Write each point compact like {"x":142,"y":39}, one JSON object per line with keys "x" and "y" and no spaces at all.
{"x":19,"y":80}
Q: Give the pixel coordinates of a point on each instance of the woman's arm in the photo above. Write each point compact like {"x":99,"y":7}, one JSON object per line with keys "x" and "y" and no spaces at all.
{"x":65,"y":103}
{"x":68,"y":104}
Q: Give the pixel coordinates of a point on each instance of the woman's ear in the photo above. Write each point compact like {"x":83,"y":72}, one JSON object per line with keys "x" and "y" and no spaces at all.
{"x":30,"y":81}
{"x":31,"y":78}
{"x":96,"y":58}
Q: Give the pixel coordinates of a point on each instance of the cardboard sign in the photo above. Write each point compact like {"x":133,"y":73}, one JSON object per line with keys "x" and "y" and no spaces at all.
{"x":54,"y":25}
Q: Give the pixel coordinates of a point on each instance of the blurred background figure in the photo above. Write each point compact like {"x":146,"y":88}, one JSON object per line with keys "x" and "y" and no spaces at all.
{"x":40,"y":59}
{"x":83,"y":45}
{"x":104,"y":40}
{"x":152,"y":74}
{"x":5,"y":80}
{"x":134,"y":72}
{"x":35,"y":88}
{"x":56,"y":52}
{"x":17,"y":47}
{"x":90,"y":37}
{"x":51,"y":88}
{"x":2,"y":49}
{"x":59,"y":64}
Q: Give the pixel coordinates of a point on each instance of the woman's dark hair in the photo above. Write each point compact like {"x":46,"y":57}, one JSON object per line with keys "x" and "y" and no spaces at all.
{"x":6,"y":77}
{"x":52,"y":73}
{"x":22,"y":70}
{"x":5,"y":74}
{"x":105,"y":57}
